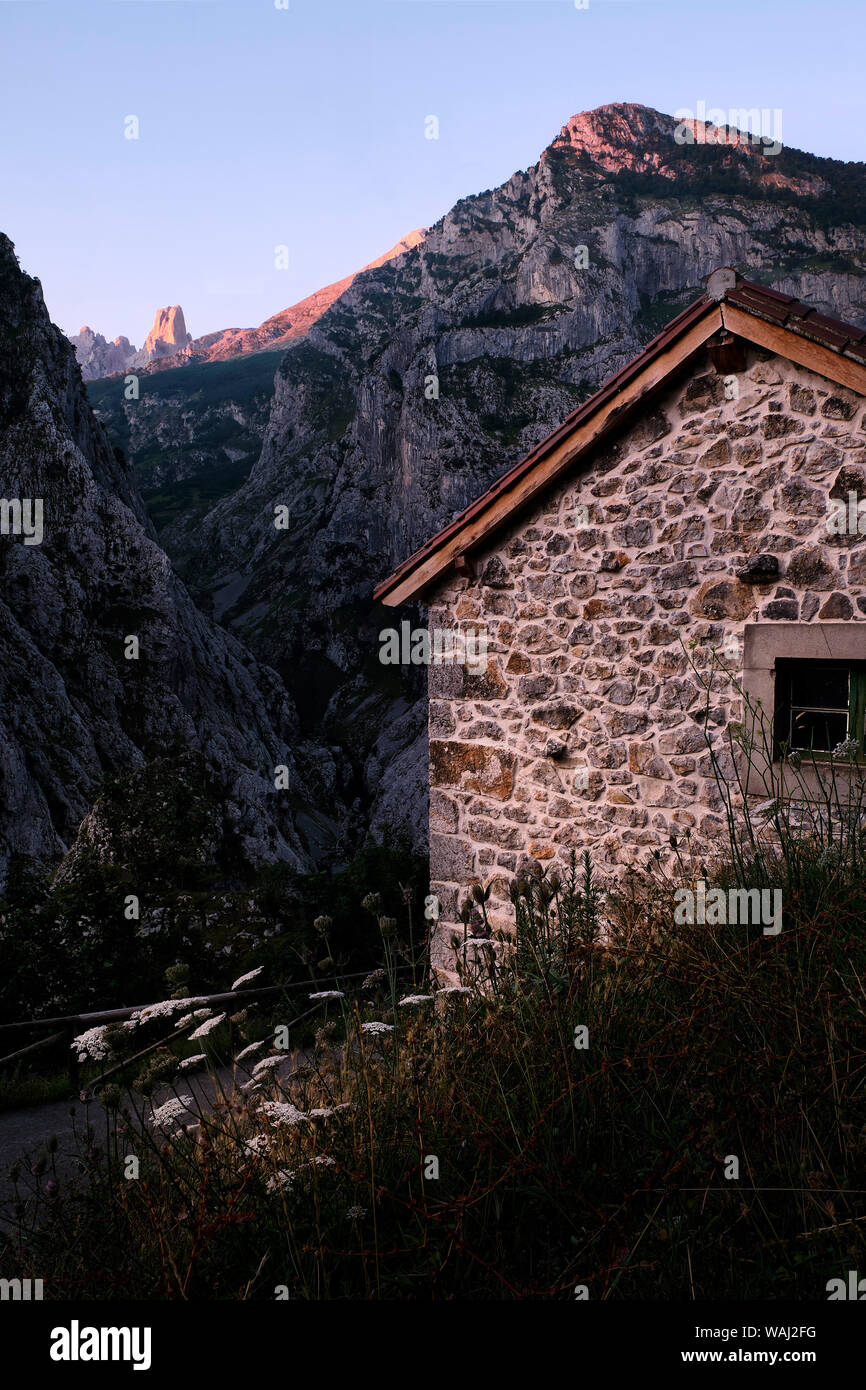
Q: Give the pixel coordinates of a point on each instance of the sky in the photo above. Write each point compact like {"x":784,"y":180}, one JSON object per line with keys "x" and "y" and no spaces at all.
{"x":305,"y":127}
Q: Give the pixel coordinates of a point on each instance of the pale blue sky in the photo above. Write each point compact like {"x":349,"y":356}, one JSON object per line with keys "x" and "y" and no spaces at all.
{"x":305,"y":126}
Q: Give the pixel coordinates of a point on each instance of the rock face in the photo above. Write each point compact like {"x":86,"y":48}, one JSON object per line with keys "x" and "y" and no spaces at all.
{"x":166,"y":338}
{"x":106,"y":662}
{"x":617,"y":663}
{"x":97,"y":358}
{"x":433,"y":373}
{"x":194,"y":432}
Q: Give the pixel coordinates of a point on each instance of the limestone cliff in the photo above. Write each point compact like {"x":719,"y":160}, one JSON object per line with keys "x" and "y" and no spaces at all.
{"x":80,"y":700}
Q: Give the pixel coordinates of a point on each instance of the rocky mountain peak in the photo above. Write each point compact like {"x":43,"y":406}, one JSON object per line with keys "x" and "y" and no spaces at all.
{"x":168,"y":344}
{"x":281,"y":328}
{"x":620,"y":135}
{"x":168,"y":334}
{"x":625,"y":137}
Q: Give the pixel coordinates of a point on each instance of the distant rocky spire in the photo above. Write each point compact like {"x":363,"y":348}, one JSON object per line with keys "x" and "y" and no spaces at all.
{"x":167,"y":336}
{"x":98,"y":358}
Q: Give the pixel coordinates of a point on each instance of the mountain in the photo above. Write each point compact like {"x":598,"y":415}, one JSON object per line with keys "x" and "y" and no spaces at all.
{"x":283,"y":328}
{"x":167,"y":337}
{"x":434,"y":372}
{"x":192,"y":436}
{"x":98,"y":358}
{"x":168,"y":344}
{"x":106,"y":666}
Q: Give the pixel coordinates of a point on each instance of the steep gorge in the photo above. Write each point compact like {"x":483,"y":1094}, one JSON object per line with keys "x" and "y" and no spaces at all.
{"x":106,"y":665}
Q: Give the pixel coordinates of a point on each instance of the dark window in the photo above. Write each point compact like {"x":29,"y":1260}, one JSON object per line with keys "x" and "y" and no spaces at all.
{"x":819,"y":704}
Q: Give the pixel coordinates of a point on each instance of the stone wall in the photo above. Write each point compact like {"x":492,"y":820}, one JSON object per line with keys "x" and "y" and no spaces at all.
{"x":590,"y":727}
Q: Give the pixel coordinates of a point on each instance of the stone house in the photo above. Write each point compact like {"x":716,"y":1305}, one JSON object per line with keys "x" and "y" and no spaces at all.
{"x":699,"y":513}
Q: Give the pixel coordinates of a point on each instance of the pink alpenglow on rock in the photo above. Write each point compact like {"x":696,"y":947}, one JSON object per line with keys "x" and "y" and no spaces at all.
{"x":168,"y":334}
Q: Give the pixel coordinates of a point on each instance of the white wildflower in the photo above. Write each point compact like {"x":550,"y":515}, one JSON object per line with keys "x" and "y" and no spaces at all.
{"x":328,"y":994}
{"x":91,"y":1044}
{"x":259,"y":1144}
{"x":324,"y":1162}
{"x":847,"y":749}
{"x":322,"y":1112}
{"x":355,"y":1213}
{"x":454,"y":989}
{"x":248,"y":1051}
{"x":191,"y":1061}
{"x":266,"y":1064}
{"x":164,"y":1009}
{"x":411,"y":999}
{"x":251,"y":975}
{"x":283,"y":1177}
{"x":168,"y":1115}
{"x":377,"y":1028}
{"x":189,"y":1018}
{"x":281,"y":1112}
{"x":208,"y":1027}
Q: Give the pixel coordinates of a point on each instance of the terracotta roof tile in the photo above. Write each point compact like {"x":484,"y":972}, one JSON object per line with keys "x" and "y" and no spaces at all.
{"x":765,"y":292}
{"x":838,"y":325}
{"x":818,"y":332}
{"x":759,"y":304}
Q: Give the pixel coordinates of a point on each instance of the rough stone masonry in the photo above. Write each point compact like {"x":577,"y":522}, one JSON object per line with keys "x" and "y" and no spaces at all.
{"x":588,"y":730}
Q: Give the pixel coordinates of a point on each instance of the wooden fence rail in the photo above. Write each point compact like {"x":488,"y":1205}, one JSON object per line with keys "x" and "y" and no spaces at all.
{"x":70,"y":1022}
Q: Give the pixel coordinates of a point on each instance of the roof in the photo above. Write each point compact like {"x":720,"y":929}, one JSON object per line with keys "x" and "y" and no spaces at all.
{"x":760,"y":315}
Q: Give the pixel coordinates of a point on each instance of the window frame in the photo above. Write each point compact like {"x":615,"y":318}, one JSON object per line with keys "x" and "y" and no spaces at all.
{"x":854,"y":710}
{"x":764,"y":645}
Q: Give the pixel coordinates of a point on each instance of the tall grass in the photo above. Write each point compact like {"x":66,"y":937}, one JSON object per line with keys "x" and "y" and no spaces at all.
{"x":707,"y":1142}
